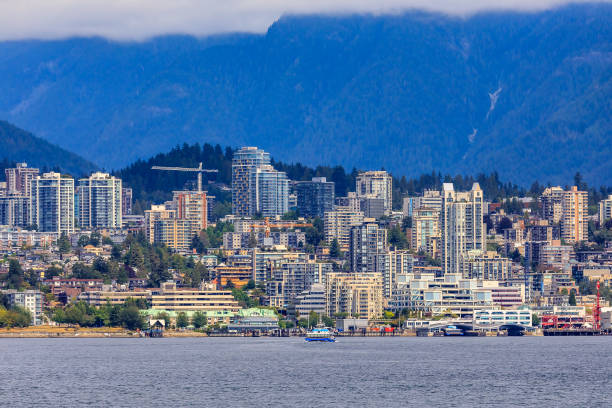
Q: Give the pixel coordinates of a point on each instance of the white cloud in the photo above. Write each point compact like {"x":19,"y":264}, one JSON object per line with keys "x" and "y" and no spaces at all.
{"x":139,"y":19}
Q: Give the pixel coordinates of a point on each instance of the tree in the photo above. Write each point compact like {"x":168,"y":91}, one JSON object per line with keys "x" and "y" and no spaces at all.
{"x":252,"y":240}
{"x":15,"y":277}
{"x":182,"y":320}
{"x":131,"y":318}
{"x":83,"y":240}
{"x":397,"y":238}
{"x":198,"y":320}
{"x":334,"y":249}
{"x":327,"y":321}
{"x":535,"y":320}
{"x":572,"y":298}
{"x":63,"y":245}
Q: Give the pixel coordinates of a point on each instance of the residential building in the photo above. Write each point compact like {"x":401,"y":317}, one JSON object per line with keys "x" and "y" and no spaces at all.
{"x":192,"y":206}
{"x":100,"y":202}
{"x":357,"y":294}
{"x":156,"y":213}
{"x":100,"y":297}
{"x":461,"y":225}
{"x":14,"y":210}
{"x":338,"y":224}
{"x":290,"y":279}
{"x":207,"y":298}
{"x":484,"y":265}
{"x":315,"y":198}
{"x":397,"y":263}
{"x":265,"y":262}
{"x":551,"y":202}
{"x":311,"y":300}
{"x":15,"y":237}
{"x":605,"y":210}
{"x":256,"y":186}
{"x":30,"y":300}
{"x":376,"y":184}
{"x":425,"y":231}
{"x":126,"y":201}
{"x":19,"y":179}
{"x":368,"y":248}
{"x":239,"y":240}
{"x":450,"y":293}
{"x":575,"y":222}
{"x":430,"y":199}
{"x":372,"y":207}
{"x":52,"y":203}
{"x":176,"y":233}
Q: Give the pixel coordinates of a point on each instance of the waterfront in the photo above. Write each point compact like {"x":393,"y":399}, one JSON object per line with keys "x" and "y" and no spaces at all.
{"x":270,"y":372}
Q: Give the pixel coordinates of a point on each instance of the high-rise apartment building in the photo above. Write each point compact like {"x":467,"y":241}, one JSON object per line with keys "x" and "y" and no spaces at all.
{"x":605,"y":210}
{"x":14,"y":210}
{"x":126,"y":201}
{"x":574,"y":221}
{"x":19,"y":179}
{"x":425,"y":230}
{"x":461,"y":225}
{"x":269,"y":191}
{"x":192,"y":206}
{"x":156,"y":213}
{"x":256,"y":186}
{"x":100,"y":204}
{"x":357,"y":294}
{"x":430,"y":199}
{"x":368,"y":248}
{"x":338,"y":223}
{"x":52,"y":203}
{"x":315,"y":198}
{"x":377,"y":184}
{"x":551,"y":202}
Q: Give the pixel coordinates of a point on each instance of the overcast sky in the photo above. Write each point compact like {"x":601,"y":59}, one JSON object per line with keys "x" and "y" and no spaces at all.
{"x":140,"y":19}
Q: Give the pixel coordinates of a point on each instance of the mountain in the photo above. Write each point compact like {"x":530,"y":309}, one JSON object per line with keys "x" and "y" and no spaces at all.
{"x":526,"y":94}
{"x":21,"y":146}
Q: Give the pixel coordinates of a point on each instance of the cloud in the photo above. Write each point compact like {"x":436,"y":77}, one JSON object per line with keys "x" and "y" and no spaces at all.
{"x":141,"y":19}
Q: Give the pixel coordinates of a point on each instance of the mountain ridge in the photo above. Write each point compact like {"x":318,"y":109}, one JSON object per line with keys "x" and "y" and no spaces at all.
{"x":526,"y":94}
{"x":19,"y":145}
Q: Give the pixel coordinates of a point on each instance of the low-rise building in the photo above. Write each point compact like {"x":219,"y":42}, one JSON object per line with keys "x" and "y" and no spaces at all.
{"x":495,"y":317}
{"x":450,"y":294}
{"x":30,"y":300}
{"x":169,"y":297}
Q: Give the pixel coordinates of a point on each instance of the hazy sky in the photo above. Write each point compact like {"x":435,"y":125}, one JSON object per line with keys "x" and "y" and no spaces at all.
{"x":139,"y":19}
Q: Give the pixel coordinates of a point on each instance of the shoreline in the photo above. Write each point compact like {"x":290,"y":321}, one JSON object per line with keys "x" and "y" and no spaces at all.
{"x":113,"y":332}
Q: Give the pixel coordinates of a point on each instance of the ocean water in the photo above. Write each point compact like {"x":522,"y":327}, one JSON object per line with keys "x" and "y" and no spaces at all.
{"x":288,"y":372}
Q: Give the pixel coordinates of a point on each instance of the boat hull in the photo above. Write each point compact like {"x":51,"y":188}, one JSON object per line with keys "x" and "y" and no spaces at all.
{"x":322,"y":339}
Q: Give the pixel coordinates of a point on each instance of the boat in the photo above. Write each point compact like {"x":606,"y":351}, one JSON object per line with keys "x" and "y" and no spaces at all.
{"x":452,"y":331}
{"x":320,"y":334}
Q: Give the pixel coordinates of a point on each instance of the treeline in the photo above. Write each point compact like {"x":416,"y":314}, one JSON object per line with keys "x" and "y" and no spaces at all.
{"x":13,"y":316}
{"x":126,"y":315}
{"x":155,"y":186}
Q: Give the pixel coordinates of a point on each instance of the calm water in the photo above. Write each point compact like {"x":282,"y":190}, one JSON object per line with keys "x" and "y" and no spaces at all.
{"x":271,"y":372}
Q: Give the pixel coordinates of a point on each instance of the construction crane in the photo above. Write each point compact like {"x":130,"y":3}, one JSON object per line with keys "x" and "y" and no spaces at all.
{"x":267,"y":225}
{"x":198,"y":169}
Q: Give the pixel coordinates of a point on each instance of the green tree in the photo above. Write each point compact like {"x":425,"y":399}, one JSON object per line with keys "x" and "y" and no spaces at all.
{"x":15,"y":276}
{"x":572,"y":298}
{"x":535,"y":320}
{"x":182,"y":320}
{"x":397,"y":238}
{"x":198,"y":320}
{"x":131,"y":318}
{"x":334,"y":249}
{"x":63,"y":245}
